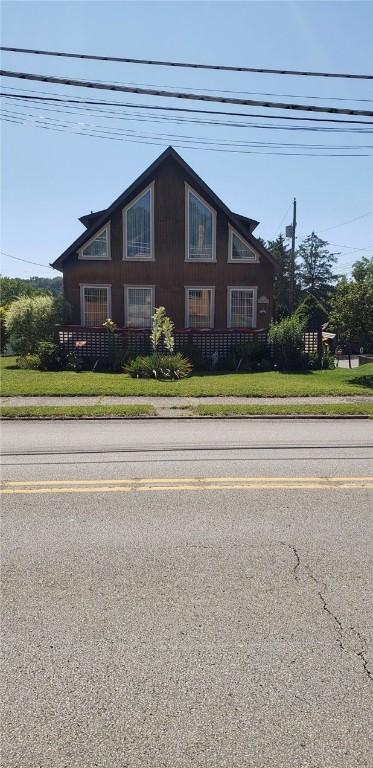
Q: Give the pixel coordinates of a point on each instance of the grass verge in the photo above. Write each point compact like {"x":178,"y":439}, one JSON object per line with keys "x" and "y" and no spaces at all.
{"x":75,"y":411}
{"x":332,"y":409}
{"x":341,"y":381}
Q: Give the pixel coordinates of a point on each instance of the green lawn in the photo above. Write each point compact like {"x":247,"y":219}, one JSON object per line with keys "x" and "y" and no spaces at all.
{"x":342,"y":381}
{"x":75,"y":411}
{"x":329,"y":409}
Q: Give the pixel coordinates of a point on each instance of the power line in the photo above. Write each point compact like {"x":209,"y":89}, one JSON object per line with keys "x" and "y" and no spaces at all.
{"x":100,"y":108}
{"x":336,"y":226}
{"x":219,"y":67}
{"x":173,"y":136}
{"x":81,"y":100}
{"x":157,"y":140}
{"x":27,"y":261}
{"x":284,"y":216}
{"x":245,"y":93}
{"x":182,"y":95}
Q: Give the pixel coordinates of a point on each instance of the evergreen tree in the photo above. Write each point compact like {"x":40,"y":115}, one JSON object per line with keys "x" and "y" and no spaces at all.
{"x":281,"y":291}
{"x":316,"y":267}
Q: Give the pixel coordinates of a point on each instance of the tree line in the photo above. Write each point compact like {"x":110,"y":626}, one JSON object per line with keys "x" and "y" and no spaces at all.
{"x":323,"y":296}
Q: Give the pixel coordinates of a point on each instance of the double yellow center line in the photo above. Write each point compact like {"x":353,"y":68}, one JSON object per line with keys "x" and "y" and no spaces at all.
{"x":184,"y":484}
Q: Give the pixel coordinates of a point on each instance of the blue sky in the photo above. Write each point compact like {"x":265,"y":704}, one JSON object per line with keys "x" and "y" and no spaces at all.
{"x":51,"y":178}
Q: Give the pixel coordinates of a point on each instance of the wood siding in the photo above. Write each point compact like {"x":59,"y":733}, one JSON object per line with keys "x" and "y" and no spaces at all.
{"x":170,"y":273}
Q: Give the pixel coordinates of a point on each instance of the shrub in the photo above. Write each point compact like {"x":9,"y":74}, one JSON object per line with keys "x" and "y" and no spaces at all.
{"x":286,"y":336}
{"x":157,"y":366}
{"x":51,"y":356}
{"x":3,"y":330}
{"x":313,"y":361}
{"x":74,"y":362}
{"x":328,"y":361}
{"x":249,"y":356}
{"x":194,"y":354}
{"x":31,"y":319}
{"x":29,"y":362}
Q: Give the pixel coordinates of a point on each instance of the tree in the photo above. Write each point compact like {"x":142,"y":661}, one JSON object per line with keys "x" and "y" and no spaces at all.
{"x":13,"y":287}
{"x":316,"y":267}
{"x":31,"y":319}
{"x":3,"y":331}
{"x":352,"y":308}
{"x":312,"y":311}
{"x":281,"y":291}
{"x":362,"y":270}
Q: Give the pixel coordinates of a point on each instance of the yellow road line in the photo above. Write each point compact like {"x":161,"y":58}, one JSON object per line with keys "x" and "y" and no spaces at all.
{"x":176,"y":480}
{"x":191,"y":487}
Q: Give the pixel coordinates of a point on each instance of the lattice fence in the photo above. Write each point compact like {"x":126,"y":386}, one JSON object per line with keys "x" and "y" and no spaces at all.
{"x":98,"y":343}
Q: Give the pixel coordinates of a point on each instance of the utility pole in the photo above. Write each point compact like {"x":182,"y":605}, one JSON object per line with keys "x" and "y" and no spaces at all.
{"x":292,"y":263}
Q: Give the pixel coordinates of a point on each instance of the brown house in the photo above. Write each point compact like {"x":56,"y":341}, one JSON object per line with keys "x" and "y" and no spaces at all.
{"x":169,"y":240}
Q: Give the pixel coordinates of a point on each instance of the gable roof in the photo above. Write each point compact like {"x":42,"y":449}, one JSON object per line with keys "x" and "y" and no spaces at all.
{"x":94,"y":221}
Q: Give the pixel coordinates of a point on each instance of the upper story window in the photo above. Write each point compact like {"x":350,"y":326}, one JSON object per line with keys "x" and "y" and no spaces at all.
{"x":95,"y":304}
{"x":98,"y":247}
{"x":200,"y":228}
{"x":239,"y":249}
{"x":138,"y":227}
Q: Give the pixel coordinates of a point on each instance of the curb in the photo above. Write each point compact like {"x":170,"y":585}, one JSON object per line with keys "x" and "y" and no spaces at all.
{"x":254,"y":417}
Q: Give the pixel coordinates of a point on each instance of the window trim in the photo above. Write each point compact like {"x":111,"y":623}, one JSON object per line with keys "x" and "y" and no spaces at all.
{"x":211,"y":288}
{"x":82,"y":287}
{"x":189,"y":190}
{"x":125,"y":299}
{"x":232,"y":231}
{"x":150,"y":188}
{"x":106,"y":228}
{"x":230,"y":288}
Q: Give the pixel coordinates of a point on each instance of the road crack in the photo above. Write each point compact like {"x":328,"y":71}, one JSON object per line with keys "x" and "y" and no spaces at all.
{"x":340,"y":629}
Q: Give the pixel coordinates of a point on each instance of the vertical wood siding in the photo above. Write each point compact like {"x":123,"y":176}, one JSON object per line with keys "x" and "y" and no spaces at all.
{"x":169,"y":273}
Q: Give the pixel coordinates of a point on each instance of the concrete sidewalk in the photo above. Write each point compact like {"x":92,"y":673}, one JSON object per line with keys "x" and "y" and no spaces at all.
{"x":177,"y":402}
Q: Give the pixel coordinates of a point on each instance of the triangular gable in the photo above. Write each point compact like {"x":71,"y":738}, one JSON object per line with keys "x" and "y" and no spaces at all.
{"x":100,"y":220}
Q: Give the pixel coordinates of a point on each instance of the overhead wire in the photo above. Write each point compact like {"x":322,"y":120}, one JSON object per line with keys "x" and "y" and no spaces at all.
{"x":75,"y":82}
{"x":188,"y":65}
{"x":27,"y":261}
{"x":183,"y":136}
{"x":167,"y":108}
{"x":159,"y":139}
{"x":121,"y":113}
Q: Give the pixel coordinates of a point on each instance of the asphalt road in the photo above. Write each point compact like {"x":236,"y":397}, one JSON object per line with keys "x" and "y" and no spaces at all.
{"x":187,"y":594}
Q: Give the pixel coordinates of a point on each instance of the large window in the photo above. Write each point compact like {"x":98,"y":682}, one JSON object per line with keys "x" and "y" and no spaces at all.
{"x":138,"y":306}
{"x":200,"y":228}
{"x":138,"y":227}
{"x":239,"y":249}
{"x":199,"y":307}
{"x":95,"y":304}
{"x":98,"y":247}
{"x":242,"y":307}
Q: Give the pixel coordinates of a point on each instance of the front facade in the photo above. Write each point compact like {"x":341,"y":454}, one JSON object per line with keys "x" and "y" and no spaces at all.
{"x":169,"y":241}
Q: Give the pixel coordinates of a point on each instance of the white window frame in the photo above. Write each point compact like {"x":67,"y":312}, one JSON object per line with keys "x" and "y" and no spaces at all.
{"x":232,"y":232}
{"x":82,"y":287}
{"x":189,"y":190}
{"x":210,"y":288}
{"x":124,"y":225}
{"x":106,"y":228}
{"x":254,"y":289}
{"x":126,"y":288}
